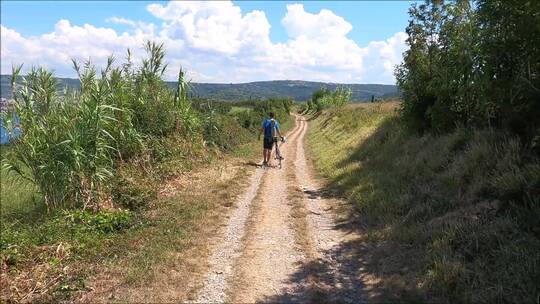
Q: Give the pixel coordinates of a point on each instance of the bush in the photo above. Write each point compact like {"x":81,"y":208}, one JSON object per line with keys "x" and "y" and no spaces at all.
{"x":324,"y":98}
{"x":100,"y":222}
{"x":225,"y":132}
{"x":131,"y":192}
{"x":66,"y":142}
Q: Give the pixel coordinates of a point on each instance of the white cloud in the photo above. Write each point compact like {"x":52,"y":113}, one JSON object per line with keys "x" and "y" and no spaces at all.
{"x":382,"y":56}
{"x":323,"y":25}
{"x":212,"y":25}
{"x":218,"y":42}
{"x":54,"y":50}
{"x":121,"y":20}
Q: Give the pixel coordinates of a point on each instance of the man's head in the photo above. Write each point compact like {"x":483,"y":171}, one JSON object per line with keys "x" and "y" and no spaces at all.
{"x":271,"y":114}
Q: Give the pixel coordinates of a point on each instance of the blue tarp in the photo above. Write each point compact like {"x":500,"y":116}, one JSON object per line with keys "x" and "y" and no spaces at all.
{"x":5,"y":135}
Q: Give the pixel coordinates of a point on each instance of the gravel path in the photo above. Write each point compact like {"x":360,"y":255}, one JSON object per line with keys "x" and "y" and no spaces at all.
{"x":230,"y":245}
{"x":257,"y":258}
{"x":270,"y":255}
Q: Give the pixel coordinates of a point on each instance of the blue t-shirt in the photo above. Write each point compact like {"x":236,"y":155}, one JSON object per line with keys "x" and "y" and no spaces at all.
{"x":267,"y":125}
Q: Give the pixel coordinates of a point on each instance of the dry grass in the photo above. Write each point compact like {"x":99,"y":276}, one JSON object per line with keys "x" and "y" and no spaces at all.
{"x":165,"y":262}
{"x":450,"y":217}
{"x":296,"y":199}
{"x":304,"y":240}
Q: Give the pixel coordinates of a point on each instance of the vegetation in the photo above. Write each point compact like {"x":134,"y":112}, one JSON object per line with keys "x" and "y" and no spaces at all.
{"x":324,"y":98}
{"x":472,"y":75}
{"x":472,"y":63}
{"x":74,"y":144}
{"x":61,"y":250}
{"x":445,"y":185}
{"x":251,"y":118}
{"x":450,"y":217}
{"x":91,"y":160}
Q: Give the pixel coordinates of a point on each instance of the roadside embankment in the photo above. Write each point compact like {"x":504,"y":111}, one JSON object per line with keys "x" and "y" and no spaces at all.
{"x":450,"y":217}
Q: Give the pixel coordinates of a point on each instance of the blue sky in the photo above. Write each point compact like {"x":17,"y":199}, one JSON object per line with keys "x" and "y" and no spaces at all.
{"x":362,"y":41}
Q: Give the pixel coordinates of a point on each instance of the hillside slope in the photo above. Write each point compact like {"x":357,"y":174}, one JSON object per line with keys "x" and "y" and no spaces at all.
{"x":451,"y":217}
{"x":297,"y":89}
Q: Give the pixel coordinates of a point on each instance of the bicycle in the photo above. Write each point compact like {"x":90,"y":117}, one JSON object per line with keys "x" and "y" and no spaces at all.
{"x":277,"y":155}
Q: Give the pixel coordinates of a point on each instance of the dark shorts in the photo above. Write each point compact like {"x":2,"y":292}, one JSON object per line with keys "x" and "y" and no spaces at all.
{"x":268,"y":143}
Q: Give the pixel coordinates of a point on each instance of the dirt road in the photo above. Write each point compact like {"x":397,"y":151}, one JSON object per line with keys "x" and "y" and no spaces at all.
{"x":283,"y":242}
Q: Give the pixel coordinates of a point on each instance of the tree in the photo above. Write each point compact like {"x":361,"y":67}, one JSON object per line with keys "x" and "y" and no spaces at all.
{"x":472,"y":64}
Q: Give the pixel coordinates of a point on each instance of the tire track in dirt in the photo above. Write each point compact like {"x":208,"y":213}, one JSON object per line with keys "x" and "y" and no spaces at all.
{"x":215,"y":283}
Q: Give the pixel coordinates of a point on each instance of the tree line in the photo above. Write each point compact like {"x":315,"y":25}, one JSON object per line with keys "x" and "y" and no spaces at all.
{"x":472,"y":63}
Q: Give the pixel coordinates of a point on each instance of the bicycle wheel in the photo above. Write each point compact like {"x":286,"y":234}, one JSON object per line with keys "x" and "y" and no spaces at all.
{"x":278,"y":155}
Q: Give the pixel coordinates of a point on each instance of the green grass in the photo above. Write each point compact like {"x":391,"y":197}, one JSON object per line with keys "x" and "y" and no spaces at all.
{"x":236,"y":109}
{"x":27,"y":227}
{"x":32,"y":238}
{"x":69,"y":239}
{"x":18,"y":197}
{"x":453,"y":217}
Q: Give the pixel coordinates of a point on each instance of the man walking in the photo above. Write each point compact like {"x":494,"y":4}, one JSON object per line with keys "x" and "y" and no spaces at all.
{"x":270,"y":127}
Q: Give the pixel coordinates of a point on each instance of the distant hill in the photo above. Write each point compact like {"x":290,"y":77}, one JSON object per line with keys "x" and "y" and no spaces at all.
{"x":297,"y":89}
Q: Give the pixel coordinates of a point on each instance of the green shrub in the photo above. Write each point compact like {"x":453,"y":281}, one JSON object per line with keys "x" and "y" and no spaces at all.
{"x":324,"y":98}
{"x":225,"y":132}
{"x":66,"y":145}
{"x":101,"y":222}
{"x":472,"y":63}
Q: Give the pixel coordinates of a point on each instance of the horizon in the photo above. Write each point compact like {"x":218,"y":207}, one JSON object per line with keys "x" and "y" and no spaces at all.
{"x":217,"y":42}
{"x":254,"y":81}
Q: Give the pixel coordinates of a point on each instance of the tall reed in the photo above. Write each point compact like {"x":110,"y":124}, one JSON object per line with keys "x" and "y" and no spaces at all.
{"x":71,"y":142}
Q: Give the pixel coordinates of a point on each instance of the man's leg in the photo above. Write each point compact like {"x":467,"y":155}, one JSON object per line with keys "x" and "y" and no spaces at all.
{"x":269,"y":156}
